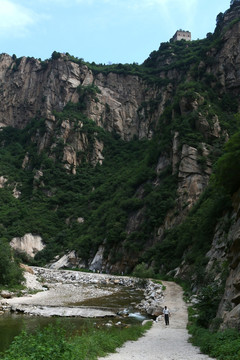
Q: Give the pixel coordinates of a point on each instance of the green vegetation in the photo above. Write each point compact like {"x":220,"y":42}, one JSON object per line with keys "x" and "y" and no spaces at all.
{"x":221,"y":345}
{"x":54,"y":342}
{"x":105,"y":196}
{"x":127,"y":184}
{"x":191,"y":240}
{"x":228,"y":166}
{"x":204,"y":326}
{"x":10,"y":273}
{"x":123,"y":203}
{"x":142,"y":271}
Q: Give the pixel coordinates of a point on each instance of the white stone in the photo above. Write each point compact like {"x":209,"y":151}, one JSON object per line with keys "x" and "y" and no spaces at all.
{"x":96,"y":264}
{"x":63,"y":261}
{"x":3,"y":180}
{"x":30,"y":244}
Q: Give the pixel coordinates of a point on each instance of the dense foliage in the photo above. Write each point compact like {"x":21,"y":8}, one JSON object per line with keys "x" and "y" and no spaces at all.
{"x":103,"y":195}
{"x":127,"y":183}
{"x":191,"y":240}
{"x":53,"y":343}
{"x":10,"y":273}
{"x":221,"y":345}
{"x":105,"y":198}
{"x":228,"y":166}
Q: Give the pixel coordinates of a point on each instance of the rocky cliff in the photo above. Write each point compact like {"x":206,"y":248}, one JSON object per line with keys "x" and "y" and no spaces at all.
{"x":30,"y":87}
{"x":180,"y":106}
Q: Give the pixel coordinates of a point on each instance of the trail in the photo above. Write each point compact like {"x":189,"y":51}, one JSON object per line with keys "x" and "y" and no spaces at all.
{"x":163,"y":342}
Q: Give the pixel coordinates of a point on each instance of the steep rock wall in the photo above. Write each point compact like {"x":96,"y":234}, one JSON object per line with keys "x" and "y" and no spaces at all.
{"x":225,"y":254}
{"x":29,"y":88}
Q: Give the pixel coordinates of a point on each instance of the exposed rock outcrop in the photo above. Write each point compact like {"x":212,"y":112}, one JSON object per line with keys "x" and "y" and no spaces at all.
{"x":153,"y":299}
{"x":97,"y":262}
{"x":224,"y":264}
{"x":3,"y":180}
{"x":30,"y":244}
{"x":194,"y":173}
{"x":32,"y":87}
{"x":129,"y":106}
{"x":69,"y":260}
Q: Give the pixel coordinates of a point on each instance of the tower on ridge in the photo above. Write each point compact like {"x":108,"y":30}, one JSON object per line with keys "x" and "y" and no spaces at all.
{"x":182,"y":35}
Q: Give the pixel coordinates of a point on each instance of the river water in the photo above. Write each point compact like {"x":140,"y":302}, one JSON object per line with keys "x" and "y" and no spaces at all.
{"x":122,"y":302}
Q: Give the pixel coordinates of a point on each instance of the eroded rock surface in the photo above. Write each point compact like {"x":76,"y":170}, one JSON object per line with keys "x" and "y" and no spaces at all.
{"x":30,"y":244}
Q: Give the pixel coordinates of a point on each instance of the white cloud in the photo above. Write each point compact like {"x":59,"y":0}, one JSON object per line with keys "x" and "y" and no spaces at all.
{"x":15,"y":19}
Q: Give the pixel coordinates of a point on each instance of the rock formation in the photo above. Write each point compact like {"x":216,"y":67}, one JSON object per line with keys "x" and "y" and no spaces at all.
{"x":133,"y":106}
{"x":30,"y":244}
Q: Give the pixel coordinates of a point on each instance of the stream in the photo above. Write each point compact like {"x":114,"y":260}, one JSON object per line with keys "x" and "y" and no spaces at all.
{"x":122,"y":302}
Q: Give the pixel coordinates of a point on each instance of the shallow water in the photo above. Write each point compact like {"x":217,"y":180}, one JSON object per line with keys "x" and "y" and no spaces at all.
{"x":124,"y":298}
{"x":122,"y":302}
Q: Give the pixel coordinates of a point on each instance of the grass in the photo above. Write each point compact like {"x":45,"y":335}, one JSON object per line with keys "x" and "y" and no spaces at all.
{"x":54,"y":343}
{"x":221,"y":344}
{"x":159,"y":282}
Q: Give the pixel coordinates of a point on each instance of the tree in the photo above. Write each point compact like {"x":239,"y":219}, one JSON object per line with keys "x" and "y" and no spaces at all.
{"x":219,"y":18}
{"x":10,"y":273}
{"x":56,"y":55}
{"x":228,"y":166}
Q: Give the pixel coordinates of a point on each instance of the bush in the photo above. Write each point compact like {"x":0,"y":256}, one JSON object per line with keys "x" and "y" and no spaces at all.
{"x":142,"y":271}
{"x":208,"y":301}
{"x":222,"y":345}
{"x":56,"y":55}
{"x":228,"y":166}
{"x":10,"y":273}
{"x":55,"y":343}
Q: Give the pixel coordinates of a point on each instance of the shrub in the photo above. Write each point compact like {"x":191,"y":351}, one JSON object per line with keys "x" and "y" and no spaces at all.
{"x":222,"y":345}
{"x":228,"y":166}
{"x":208,"y":301}
{"x":10,"y":273}
{"x":55,"y":343}
{"x":56,"y":55}
{"x":142,"y":271}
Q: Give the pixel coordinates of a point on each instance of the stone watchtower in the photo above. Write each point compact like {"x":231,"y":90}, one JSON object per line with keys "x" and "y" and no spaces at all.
{"x":182,"y":34}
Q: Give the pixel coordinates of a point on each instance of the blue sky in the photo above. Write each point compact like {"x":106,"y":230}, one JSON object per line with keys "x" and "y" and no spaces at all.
{"x":103,"y":31}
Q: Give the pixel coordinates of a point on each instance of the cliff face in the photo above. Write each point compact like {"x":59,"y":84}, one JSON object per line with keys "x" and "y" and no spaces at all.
{"x":134,"y":107}
{"x":122,"y":105}
{"x":224,"y":257}
{"x":31,"y":88}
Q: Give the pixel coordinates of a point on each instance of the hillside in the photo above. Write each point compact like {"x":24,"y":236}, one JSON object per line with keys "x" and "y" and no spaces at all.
{"x":128,"y":164}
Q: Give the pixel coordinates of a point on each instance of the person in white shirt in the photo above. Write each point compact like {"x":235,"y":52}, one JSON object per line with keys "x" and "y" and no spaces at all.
{"x":166,"y":314}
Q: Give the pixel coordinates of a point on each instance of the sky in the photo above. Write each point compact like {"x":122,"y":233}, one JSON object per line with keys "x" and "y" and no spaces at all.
{"x":101,"y":31}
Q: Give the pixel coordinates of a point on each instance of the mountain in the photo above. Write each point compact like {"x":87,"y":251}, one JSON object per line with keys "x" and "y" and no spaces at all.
{"x":128,"y":165}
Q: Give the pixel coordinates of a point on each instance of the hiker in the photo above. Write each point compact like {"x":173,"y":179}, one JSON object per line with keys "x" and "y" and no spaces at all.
{"x":166,"y":314}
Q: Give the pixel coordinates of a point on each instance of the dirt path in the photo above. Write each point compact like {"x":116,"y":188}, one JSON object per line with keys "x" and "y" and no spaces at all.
{"x":161,"y":342}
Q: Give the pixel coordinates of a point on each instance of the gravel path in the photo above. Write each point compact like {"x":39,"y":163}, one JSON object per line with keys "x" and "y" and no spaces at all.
{"x":161,"y":342}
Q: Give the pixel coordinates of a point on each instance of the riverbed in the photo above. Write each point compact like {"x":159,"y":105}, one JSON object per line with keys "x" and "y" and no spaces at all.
{"x":77,"y":299}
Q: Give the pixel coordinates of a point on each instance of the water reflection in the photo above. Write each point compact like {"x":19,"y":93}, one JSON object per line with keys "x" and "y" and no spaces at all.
{"x":122,"y":302}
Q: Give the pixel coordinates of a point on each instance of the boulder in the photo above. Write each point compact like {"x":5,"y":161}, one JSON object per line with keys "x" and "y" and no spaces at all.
{"x":96,"y":264}
{"x":70,"y":260}
{"x":6,"y":294}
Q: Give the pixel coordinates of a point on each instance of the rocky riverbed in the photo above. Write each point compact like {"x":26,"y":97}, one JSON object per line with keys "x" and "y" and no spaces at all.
{"x":66,"y":292}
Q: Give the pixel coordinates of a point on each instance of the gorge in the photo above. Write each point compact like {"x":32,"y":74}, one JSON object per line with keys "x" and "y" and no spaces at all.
{"x":126,"y":167}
